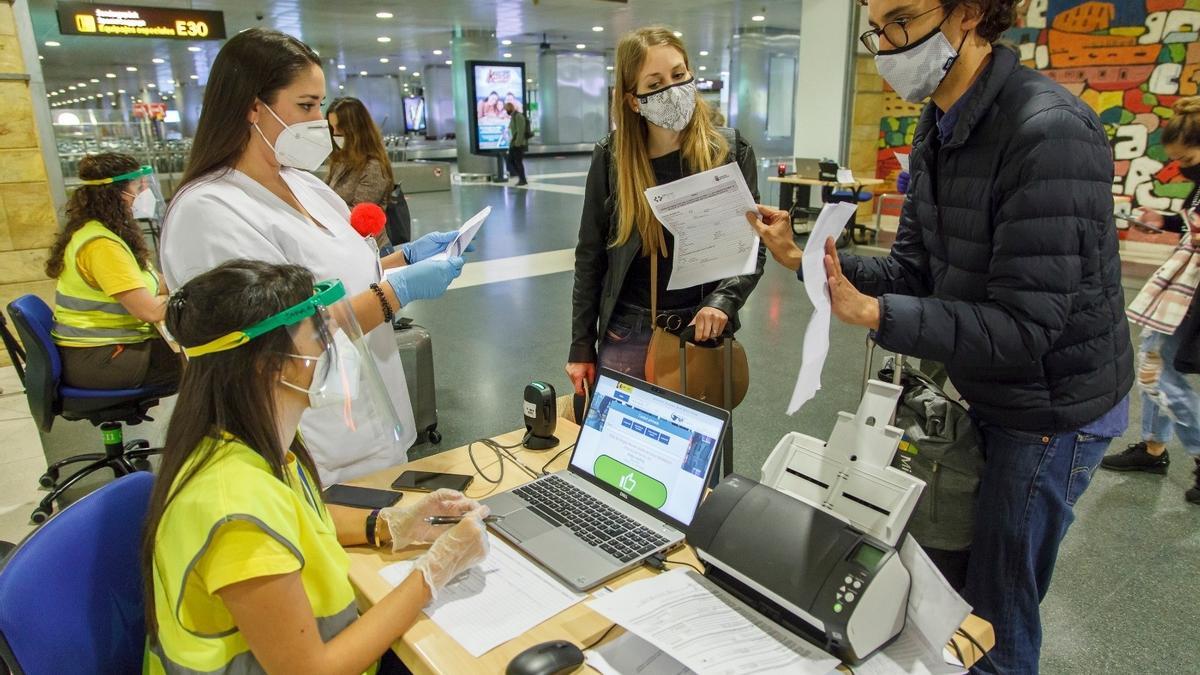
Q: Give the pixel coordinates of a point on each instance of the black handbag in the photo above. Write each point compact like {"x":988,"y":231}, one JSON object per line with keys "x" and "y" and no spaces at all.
{"x":1187,"y":355}
{"x":399,"y":220}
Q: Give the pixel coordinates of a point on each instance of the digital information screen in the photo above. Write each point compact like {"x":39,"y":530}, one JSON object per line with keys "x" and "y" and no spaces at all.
{"x":490,"y":85}
{"x":103,"y":20}
{"x":414,"y":113}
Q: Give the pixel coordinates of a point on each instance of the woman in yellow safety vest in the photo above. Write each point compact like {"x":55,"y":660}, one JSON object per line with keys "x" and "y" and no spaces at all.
{"x":242,"y":559}
{"x":109,"y":295}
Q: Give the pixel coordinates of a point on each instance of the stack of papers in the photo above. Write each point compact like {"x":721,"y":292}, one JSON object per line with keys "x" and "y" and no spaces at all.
{"x":706,"y":213}
{"x":465,"y":234}
{"x":704,"y":629}
{"x":493,"y":602}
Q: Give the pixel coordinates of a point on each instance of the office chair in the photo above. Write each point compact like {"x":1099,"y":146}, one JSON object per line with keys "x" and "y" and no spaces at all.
{"x":49,"y":398}
{"x":71,"y":592}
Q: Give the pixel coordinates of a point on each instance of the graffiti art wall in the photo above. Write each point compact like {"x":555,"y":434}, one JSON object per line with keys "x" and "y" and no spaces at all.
{"x":1129,"y":60}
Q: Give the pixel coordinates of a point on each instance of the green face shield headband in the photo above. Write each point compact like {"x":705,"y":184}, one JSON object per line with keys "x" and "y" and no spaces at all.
{"x":324,"y":294}
{"x":146,"y":170}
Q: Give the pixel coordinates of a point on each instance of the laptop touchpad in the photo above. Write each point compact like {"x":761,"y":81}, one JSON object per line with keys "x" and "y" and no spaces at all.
{"x":524,"y":525}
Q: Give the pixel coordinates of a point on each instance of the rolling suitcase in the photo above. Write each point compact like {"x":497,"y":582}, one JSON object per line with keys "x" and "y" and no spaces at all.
{"x":687,"y":335}
{"x":416,"y":353}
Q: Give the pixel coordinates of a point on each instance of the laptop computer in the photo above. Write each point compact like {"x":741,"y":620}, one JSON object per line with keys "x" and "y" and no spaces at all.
{"x":637,"y":474}
{"x":808,"y":167}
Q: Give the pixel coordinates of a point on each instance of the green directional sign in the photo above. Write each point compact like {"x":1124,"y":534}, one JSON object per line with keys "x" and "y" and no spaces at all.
{"x":629,"y":480}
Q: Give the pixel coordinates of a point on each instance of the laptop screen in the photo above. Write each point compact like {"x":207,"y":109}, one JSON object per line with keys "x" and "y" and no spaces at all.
{"x":654,"y":446}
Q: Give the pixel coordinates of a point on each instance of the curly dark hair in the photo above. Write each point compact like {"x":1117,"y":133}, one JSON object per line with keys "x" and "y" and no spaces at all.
{"x":996,"y":16}
{"x":105,"y":203}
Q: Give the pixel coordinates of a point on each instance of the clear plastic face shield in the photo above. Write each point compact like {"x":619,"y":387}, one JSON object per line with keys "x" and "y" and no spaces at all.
{"x":327,"y":343}
{"x":143,"y":192}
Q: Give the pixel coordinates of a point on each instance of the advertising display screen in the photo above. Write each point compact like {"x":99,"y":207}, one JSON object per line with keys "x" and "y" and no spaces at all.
{"x":414,"y":113}
{"x":490,"y":85}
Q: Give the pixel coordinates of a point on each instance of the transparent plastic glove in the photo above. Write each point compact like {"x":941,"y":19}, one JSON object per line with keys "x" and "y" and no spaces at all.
{"x":407,"y":523}
{"x":461,"y":547}
{"x":425,"y":280}
{"x":426,"y":246}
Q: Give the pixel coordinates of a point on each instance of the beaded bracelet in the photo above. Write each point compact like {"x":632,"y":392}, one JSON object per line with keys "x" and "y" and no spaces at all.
{"x":389,"y":314}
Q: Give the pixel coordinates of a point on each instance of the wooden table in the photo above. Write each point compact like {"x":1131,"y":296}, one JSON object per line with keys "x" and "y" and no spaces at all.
{"x":425,"y":648}
{"x":796,"y":192}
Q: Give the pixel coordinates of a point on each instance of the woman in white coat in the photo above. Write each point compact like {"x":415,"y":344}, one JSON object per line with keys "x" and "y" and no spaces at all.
{"x":247,"y":193}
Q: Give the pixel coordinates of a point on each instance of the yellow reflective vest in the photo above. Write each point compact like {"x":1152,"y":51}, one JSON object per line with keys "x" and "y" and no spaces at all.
{"x":84,"y":316}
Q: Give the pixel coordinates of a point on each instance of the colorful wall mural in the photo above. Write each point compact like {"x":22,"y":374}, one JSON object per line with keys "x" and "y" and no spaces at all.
{"x":1128,"y":59}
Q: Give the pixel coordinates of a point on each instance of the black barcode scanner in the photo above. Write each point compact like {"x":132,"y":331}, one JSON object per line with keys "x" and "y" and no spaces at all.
{"x":540,"y":416}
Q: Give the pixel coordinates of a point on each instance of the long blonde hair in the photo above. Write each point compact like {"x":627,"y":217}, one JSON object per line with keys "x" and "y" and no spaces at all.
{"x":702,"y":146}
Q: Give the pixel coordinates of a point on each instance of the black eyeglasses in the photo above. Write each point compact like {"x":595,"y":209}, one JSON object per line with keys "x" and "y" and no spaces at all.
{"x":896,"y":31}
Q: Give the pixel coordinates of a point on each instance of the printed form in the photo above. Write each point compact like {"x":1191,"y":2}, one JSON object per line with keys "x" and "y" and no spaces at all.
{"x":500,"y":598}
{"x":706,"y":213}
{"x":706,"y":629}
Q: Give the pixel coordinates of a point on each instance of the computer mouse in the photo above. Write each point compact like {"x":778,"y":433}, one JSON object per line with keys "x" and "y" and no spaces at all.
{"x":548,"y":658}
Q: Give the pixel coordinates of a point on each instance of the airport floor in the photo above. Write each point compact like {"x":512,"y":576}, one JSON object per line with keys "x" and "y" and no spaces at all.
{"x":1126,"y":592}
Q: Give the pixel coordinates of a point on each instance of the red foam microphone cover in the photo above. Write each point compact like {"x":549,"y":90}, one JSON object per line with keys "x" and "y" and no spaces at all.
{"x":367,"y":219}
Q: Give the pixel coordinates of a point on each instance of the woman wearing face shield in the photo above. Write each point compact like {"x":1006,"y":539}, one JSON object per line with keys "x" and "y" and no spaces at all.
{"x":242,"y":561}
{"x":247,"y":193}
{"x":663,"y":133}
{"x":108,"y":295}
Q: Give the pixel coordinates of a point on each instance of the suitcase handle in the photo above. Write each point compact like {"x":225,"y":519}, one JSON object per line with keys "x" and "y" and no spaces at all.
{"x":688,"y":334}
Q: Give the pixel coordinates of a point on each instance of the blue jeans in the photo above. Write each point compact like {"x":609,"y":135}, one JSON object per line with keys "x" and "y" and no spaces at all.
{"x":1176,"y":406}
{"x":1026,"y":503}
{"x":627,"y":338}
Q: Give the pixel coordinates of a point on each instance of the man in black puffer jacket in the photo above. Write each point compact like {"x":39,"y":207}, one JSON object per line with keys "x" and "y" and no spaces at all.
{"x":1005,"y":268}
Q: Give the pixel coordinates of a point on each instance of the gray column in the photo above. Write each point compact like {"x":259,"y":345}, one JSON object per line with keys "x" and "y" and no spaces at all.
{"x":572,"y":97}
{"x":438,"y":85}
{"x":469,"y":45}
{"x":822,"y":125}
{"x":763,"y":69}
{"x":189,"y":96}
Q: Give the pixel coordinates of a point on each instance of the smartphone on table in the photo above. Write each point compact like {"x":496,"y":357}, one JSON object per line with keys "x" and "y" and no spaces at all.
{"x":428,"y":481}
{"x":360,"y":497}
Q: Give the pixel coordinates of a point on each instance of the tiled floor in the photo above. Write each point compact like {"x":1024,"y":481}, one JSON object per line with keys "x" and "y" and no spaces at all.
{"x":1126,"y":596}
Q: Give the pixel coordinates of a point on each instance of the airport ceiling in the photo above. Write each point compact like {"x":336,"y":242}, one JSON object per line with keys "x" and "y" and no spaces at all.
{"x":348,"y":32}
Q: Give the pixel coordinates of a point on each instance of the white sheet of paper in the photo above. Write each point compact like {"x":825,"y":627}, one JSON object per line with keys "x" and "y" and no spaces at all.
{"x":465,"y":234}
{"x":845,"y":176}
{"x":631,"y":655}
{"x":706,"y":213}
{"x":907,"y":654}
{"x":935,"y":610}
{"x":707,"y":630}
{"x":495,"y":601}
{"x":902,"y":157}
{"x":816,"y":336}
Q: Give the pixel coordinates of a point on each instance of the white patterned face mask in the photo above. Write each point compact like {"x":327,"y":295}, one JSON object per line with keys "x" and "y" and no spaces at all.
{"x":916,"y":71}
{"x":669,"y":108}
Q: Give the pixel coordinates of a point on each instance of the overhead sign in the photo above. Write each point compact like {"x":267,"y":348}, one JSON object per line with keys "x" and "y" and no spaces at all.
{"x":155,"y":111}
{"x":129,"y":21}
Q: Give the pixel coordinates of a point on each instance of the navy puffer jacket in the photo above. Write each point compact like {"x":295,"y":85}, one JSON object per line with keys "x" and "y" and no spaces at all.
{"x":1005,"y":265}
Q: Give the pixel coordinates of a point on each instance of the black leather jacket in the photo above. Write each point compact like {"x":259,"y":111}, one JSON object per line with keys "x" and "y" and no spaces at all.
{"x":600,"y":269}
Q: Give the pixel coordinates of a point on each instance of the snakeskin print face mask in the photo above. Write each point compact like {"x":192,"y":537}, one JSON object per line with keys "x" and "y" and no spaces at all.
{"x":669,"y":108}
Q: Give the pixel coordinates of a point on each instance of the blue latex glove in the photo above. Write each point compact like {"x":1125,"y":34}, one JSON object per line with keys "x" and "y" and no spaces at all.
{"x":424,"y":280}
{"x":430,"y":245}
{"x":902,"y":182}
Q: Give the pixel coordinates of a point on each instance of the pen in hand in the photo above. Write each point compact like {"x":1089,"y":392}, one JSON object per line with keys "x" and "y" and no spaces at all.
{"x":453,"y":520}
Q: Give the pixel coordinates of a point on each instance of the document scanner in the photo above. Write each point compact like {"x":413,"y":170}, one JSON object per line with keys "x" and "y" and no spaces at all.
{"x":813,"y":547}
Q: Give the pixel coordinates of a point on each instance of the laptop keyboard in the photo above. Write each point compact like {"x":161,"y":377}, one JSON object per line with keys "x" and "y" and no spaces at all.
{"x":593,"y":522}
